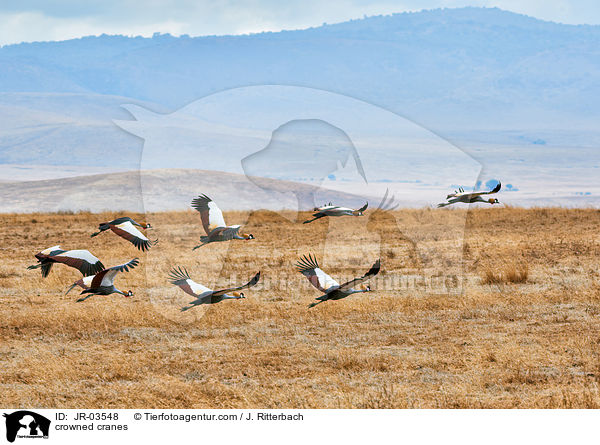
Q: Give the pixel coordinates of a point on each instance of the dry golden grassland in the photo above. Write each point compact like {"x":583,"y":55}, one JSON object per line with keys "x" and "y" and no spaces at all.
{"x":520,"y":330}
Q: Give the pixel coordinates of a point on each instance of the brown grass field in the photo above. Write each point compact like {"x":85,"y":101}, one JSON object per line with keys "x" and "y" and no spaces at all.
{"x":519,"y":330}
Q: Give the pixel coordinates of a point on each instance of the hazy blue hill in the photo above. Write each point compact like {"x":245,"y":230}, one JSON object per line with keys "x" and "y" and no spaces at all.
{"x":444,"y":68}
{"x":66,"y":129}
{"x":84,"y":50}
{"x":518,"y":94}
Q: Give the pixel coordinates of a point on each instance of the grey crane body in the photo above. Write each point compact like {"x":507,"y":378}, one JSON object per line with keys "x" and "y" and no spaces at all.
{"x":332,"y":210}
{"x":338,"y":294}
{"x":103,"y":290}
{"x":220,"y":235}
{"x":212,"y":299}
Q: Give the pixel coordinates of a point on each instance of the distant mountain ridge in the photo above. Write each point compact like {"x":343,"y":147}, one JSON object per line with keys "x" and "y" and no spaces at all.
{"x":517,"y":94}
{"x":467,"y":66}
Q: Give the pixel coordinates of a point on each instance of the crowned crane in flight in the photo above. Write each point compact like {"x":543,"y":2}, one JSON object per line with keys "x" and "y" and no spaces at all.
{"x":331,"y":210}
{"x":470,"y":197}
{"x":332,"y":290}
{"x":86,"y":282}
{"x":81,"y":260}
{"x":214,"y":224}
{"x":180,"y":277}
{"x":126,"y":228}
{"x":103,"y":282}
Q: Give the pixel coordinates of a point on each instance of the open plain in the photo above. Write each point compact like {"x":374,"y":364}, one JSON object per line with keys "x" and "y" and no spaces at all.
{"x":486,"y":308}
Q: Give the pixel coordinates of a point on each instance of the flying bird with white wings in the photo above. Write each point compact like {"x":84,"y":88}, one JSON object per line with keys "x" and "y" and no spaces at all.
{"x":308,"y":266}
{"x":82,"y":260}
{"x":214,"y":223}
{"x":126,"y":228}
{"x":180,"y":277}
{"x":331,"y":210}
{"x":470,"y":197}
{"x":103,"y":283}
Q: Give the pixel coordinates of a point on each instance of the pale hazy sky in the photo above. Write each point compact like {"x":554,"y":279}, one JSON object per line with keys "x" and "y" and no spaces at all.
{"x":38,"y":20}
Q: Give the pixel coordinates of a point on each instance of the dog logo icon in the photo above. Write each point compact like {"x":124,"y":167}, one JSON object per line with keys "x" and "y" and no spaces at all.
{"x":26,"y":424}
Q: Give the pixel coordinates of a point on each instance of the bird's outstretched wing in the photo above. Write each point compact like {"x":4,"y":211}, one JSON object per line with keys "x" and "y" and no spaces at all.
{"x":81,"y":260}
{"x":324,"y":206}
{"x":494,"y":190}
{"x":210,"y":213}
{"x":471,"y":195}
{"x":179,"y":276}
{"x":250,"y":283}
{"x":374,"y":270}
{"x":327,"y":207}
{"x":107,"y":276}
{"x":308,"y":266}
{"x":50,"y":251}
{"x":387,"y":204}
{"x":131,"y":233}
